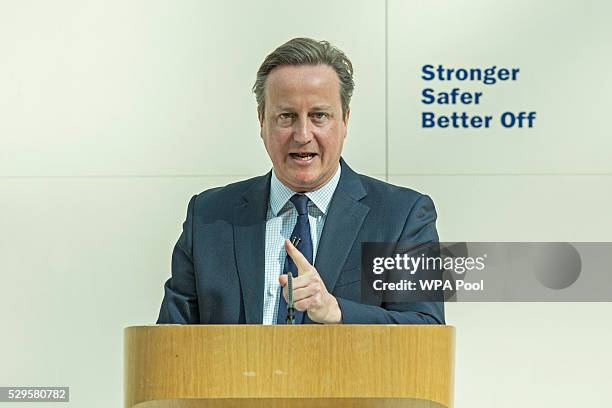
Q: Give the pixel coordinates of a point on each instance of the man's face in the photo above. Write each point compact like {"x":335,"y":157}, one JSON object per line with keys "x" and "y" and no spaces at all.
{"x":303,"y":128}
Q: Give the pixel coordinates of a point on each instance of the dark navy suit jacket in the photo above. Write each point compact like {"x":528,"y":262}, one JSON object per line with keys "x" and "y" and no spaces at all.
{"x":218,"y":261}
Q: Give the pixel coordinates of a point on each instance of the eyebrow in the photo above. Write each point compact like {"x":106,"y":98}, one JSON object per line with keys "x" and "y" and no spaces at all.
{"x":284,"y":108}
{"x":322,"y":107}
{"x":314,"y":108}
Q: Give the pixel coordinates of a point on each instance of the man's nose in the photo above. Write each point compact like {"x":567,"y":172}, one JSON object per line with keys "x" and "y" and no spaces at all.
{"x":302,"y":132}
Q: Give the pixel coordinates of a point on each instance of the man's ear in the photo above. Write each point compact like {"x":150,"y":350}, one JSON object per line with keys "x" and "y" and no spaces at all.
{"x":346,"y":119}
{"x":260,"y":119}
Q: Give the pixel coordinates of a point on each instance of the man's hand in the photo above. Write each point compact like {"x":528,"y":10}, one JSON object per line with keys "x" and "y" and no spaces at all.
{"x":309,"y":292}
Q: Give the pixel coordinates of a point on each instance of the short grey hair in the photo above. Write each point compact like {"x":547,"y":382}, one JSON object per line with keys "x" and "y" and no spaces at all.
{"x":306,"y":51}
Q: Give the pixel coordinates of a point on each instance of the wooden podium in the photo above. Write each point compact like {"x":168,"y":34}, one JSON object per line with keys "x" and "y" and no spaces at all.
{"x":188,"y":366}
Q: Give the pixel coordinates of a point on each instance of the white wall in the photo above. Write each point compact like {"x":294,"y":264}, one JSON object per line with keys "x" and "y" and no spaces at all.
{"x":113,"y":113}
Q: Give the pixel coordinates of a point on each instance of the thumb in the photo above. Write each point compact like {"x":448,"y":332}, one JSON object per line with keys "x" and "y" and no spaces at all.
{"x":282,"y":279}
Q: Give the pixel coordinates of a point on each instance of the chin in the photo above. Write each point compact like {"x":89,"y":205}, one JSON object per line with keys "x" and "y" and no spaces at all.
{"x":303,"y":183}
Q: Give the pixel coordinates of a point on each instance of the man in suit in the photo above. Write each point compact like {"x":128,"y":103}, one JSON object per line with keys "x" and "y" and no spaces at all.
{"x":231,"y":261}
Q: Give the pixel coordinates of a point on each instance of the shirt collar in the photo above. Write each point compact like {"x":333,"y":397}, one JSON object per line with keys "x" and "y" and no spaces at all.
{"x":321,"y":197}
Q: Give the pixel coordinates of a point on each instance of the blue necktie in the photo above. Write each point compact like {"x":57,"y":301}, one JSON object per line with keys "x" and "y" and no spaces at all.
{"x":302,"y":231}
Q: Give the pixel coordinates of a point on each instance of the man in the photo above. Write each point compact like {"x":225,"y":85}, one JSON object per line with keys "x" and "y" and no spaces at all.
{"x":230,"y":264}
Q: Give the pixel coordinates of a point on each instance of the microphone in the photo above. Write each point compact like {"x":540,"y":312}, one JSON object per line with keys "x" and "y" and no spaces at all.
{"x":295,"y":241}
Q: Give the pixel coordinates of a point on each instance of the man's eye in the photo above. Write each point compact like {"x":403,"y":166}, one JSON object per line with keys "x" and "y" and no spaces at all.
{"x":285,"y":116}
{"x":320,"y":115}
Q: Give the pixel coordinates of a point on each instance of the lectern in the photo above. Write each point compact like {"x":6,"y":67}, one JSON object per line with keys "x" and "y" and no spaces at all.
{"x":188,"y":366}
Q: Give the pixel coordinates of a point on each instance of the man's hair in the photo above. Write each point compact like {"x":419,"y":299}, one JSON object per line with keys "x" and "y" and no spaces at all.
{"x":306,"y":51}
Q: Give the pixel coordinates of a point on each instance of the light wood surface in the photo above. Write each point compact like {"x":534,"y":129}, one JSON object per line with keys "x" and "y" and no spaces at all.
{"x":186,"y":366}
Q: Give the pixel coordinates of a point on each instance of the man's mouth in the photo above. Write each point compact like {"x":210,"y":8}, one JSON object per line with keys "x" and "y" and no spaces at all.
{"x":302,"y":156}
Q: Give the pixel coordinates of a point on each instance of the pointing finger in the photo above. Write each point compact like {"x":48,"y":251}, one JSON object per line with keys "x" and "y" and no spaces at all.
{"x":300,"y":260}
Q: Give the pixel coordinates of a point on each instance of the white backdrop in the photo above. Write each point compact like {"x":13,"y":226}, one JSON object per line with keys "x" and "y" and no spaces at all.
{"x":113,"y":113}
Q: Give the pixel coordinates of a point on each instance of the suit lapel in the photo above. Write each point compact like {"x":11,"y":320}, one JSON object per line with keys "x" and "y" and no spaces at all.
{"x":342,"y":224}
{"x":249,"y":241}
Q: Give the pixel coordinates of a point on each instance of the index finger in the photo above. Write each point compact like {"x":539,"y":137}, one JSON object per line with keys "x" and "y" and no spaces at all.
{"x":300,"y":260}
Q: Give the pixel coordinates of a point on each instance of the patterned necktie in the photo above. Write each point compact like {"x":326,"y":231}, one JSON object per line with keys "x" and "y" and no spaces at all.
{"x":302,"y":231}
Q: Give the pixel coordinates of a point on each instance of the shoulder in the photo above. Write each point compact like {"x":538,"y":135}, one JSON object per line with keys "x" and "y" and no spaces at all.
{"x":225,"y":198}
{"x":390,"y":191}
{"x":394,"y":204}
{"x":389,"y":196}
{"x":385,"y":200}
{"x":405,"y":211}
